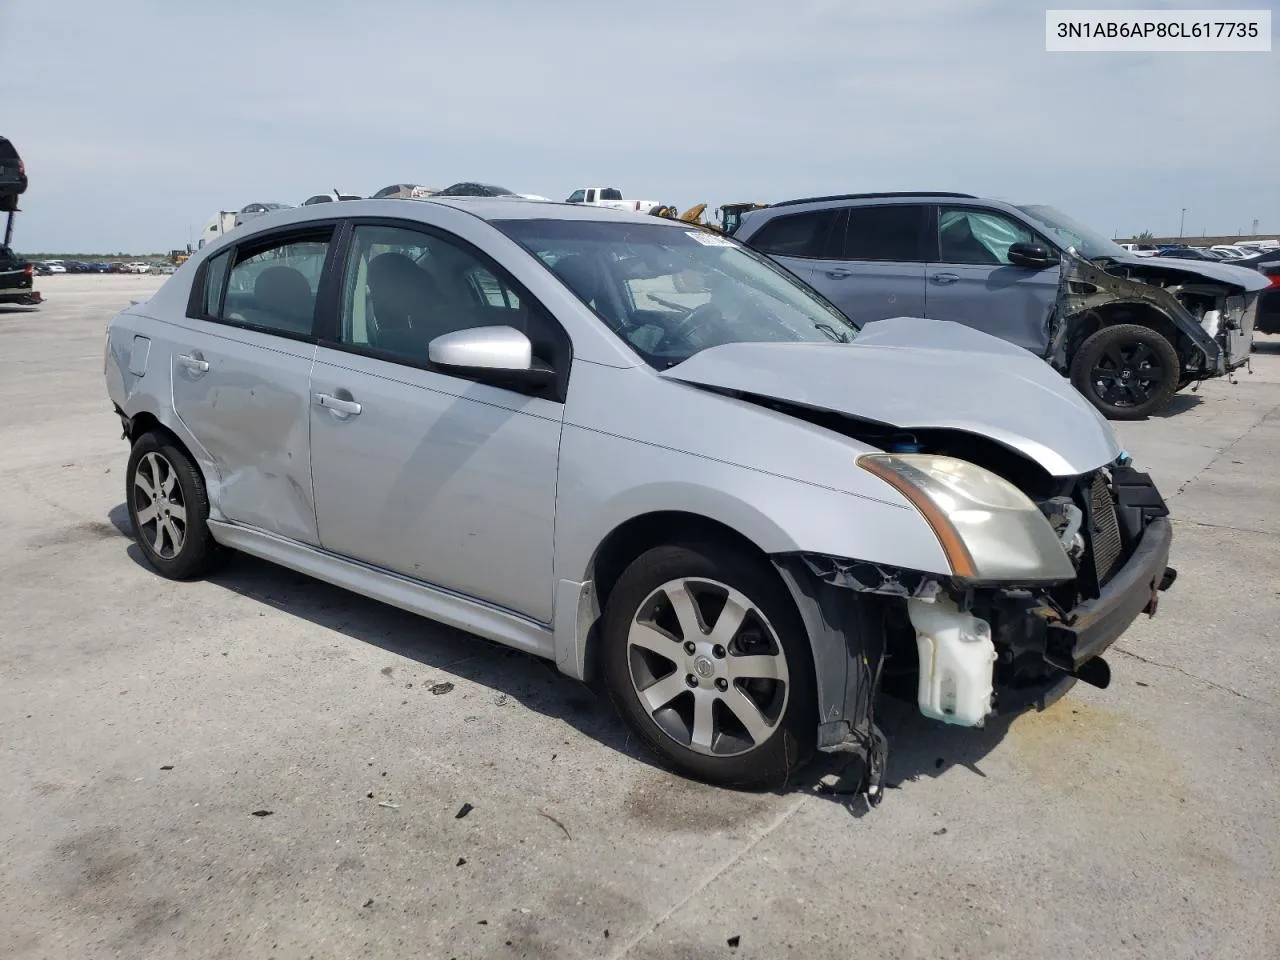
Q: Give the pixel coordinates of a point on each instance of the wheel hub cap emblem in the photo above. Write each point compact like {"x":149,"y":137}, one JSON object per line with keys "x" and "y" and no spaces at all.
{"x":704,"y":668}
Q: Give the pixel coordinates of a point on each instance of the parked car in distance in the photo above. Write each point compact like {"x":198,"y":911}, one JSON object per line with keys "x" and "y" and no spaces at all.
{"x":13,"y":176}
{"x":55,"y":266}
{"x":1185,"y":253}
{"x":469,"y":189}
{"x":252,"y":210}
{"x":403,"y":191}
{"x":1230,"y":251}
{"x":612,"y":197}
{"x":636,"y":447}
{"x":1140,"y":249}
{"x":1127,"y":330}
{"x":1269,"y":303}
{"x":334,"y":195}
{"x":17,"y":283}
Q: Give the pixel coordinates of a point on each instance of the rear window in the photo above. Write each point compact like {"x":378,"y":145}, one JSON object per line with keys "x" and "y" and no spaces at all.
{"x":609,"y":193}
{"x":7,"y":152}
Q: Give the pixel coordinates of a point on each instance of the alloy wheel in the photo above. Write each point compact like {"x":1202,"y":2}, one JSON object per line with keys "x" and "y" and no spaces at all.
{"x":159,"y":510}
{"x":707,"y":666}
{"x":1127,"y":374}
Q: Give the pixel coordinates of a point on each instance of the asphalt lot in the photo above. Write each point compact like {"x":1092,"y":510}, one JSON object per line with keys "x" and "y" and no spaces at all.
{"x":146,"y":721}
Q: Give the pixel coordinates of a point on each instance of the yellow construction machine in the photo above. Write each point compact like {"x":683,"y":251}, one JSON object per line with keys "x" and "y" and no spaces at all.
{"x":730,"y":215}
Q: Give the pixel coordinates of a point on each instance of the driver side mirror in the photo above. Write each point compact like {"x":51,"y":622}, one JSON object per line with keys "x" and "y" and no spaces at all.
{"x":1031,"y":255}
{"x":502,"y":356}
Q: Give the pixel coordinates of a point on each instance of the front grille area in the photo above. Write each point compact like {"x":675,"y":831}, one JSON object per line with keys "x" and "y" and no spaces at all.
{"x":1104,"y":528}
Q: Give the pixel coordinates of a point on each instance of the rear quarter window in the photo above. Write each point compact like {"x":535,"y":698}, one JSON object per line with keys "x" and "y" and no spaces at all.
{"x":797,"y":234}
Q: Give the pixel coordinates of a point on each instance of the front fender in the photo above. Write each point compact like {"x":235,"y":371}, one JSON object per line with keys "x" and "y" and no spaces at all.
{"x":616,"y":480}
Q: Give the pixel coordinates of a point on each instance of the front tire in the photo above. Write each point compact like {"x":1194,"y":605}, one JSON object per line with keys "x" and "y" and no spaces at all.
{"x":707,"y":660}
{"x":169,"y":508}
{"x":1127,"y":371}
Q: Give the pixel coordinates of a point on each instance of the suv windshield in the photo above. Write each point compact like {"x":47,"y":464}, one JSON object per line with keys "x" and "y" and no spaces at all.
{"x":670,"y":293}
{"x":1087,"y":242}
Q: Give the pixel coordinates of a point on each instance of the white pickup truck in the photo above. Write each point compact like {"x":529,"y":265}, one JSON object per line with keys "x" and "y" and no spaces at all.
{"x":612,"y":197}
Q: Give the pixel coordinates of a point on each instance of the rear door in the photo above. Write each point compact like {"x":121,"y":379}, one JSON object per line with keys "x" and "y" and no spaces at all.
{"x":971,"y":281}
{"x":241,"y":375}
{"x":873,"y":267}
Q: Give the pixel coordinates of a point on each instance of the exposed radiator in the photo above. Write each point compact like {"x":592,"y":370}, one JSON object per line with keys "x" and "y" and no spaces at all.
{"x":1105,"y":536}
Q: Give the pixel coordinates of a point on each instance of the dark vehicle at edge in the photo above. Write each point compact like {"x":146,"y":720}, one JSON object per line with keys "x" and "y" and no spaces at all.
{"x":13,"y":176}
{"x":16,"y":280}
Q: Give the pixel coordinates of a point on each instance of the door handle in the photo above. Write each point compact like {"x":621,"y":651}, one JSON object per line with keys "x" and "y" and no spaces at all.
{"x":944,"y":278}
{"x":340,"y":407}
{"x":839,"y":273}
{"x":194,"y":362}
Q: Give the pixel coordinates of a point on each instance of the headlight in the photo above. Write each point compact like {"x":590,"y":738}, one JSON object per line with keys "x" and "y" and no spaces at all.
{"x":988,"y":528}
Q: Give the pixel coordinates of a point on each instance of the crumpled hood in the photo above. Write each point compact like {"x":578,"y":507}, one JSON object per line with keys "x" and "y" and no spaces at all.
{"x":1249,"y":280}
{"x":913,"y":373}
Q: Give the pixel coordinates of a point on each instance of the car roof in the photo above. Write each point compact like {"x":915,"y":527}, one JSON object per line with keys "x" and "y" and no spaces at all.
{"x":840,"y":197}
{"x":485,"y":208}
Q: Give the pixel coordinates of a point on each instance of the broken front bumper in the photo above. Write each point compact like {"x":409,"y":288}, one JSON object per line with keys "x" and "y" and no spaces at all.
{"x":1095,"y":625}
{"x":1068,"y":645}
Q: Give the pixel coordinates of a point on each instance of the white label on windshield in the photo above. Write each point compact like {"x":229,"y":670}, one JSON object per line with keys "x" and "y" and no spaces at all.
{"x":708,"y":239}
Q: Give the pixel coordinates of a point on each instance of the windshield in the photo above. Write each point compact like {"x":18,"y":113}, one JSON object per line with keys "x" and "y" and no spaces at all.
{"x":670,"y":293}
{"x":1087,"y":242}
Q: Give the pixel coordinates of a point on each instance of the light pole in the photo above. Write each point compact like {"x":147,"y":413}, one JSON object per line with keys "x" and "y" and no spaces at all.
{"x":1182,"y":222}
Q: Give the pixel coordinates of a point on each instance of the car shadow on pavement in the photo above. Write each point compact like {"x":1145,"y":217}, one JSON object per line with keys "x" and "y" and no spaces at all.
{"x":1178,"y":403}
{"x":917,"y":747}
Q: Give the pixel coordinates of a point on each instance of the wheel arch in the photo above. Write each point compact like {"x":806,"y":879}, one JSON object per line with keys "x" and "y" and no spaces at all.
{"x":1133,"y":312}
{"x":147,"y":418}
{"x":580,"y":601}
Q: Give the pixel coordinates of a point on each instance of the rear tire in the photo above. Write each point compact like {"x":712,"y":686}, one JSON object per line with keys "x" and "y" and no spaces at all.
{"x":169,"y":508}
{"x":735,"y":706}
{"x":1127,"y":371}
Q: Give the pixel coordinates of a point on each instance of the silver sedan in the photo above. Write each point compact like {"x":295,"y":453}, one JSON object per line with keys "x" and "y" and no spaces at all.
{"x":640,"y":450}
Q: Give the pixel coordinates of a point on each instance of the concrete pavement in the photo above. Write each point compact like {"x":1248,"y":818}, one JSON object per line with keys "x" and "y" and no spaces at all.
{"x":147,"y":722}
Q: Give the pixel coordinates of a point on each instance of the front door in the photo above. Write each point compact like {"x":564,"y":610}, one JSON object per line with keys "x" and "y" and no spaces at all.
{"x":241,"y":372}
{"x":972,"y":281}
{"x":430,"y":475}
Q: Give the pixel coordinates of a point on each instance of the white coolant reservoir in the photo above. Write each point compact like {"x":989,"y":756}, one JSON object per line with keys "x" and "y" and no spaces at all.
{"x":957,"y":658}
{"x":1210,"y":322}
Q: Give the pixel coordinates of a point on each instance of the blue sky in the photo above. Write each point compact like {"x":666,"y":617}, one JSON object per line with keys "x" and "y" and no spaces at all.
{"x":138,"y":120}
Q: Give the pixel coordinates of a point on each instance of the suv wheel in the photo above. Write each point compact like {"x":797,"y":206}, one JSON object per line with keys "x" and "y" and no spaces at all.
{"x":1127,"y":371}
{"x":707,"y":660}
{"x":169,"y":507}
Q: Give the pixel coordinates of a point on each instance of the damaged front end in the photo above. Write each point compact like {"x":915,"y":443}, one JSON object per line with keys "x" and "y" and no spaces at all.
{"x":975,"y":648}
{"x":1208,"y":319}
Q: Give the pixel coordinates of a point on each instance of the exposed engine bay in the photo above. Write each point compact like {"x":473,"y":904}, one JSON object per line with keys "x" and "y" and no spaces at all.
{"x":1209,"y":321}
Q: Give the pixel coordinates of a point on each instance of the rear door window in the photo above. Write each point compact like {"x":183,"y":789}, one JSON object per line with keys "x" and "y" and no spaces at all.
{"x":273,"y":284}
{"x":891,"y":232}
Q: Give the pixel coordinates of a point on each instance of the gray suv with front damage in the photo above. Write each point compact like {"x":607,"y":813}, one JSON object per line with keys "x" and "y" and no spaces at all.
{"x":641,"y":450}
{"x":1129,"y":331}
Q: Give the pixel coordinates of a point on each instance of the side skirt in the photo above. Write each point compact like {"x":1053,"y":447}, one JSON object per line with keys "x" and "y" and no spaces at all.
{"x":473,"y":616}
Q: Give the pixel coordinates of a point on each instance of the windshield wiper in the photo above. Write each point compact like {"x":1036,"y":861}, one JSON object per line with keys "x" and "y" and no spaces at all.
{"x":832,"y":332}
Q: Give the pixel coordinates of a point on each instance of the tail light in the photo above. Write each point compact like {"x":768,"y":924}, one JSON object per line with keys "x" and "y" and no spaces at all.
{"x":28,"y":269}
{"x":637,"y":204}
{"x":22,"y":171}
